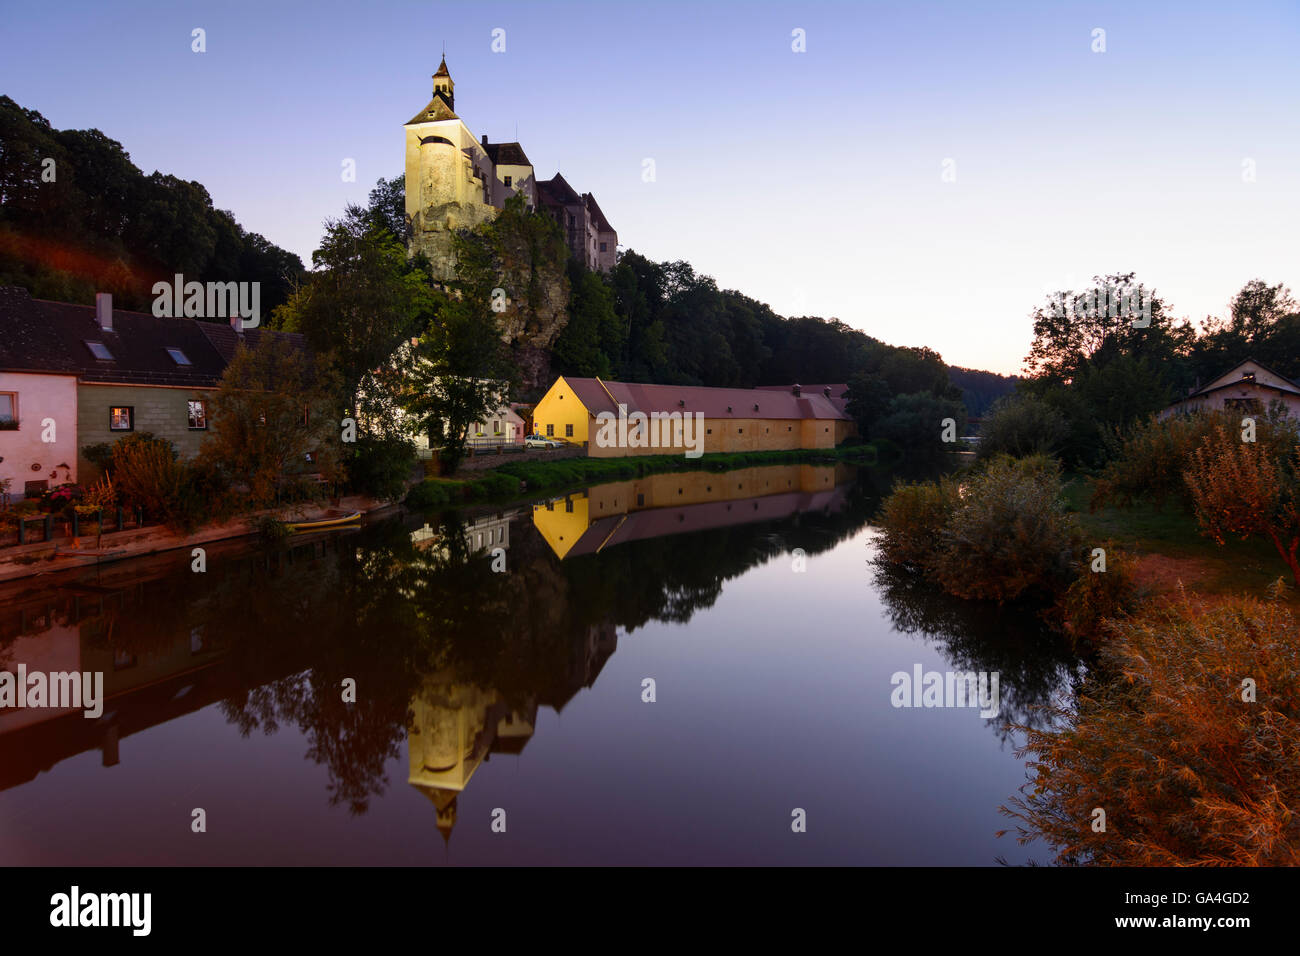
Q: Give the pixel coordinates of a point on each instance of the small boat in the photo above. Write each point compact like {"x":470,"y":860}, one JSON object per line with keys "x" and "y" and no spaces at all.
{"x":331,"y":519}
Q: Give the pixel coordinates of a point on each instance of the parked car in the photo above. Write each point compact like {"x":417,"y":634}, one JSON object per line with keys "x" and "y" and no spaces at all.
{"x":541,"y":441}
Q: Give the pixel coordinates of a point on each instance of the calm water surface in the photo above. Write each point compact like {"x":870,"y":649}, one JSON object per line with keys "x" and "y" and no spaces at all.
{"x":520,"y":689}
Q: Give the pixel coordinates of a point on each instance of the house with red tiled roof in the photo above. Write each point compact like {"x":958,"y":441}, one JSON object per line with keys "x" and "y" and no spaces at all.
{"x":588,"y":411}
{"x":77,"y":375}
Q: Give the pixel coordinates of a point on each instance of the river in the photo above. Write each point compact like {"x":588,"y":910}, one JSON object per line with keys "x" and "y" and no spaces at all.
{"x":682,"y":669}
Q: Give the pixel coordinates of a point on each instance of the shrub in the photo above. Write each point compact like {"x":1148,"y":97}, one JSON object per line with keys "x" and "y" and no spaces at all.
{"x":1097,"y":596}
{"x":1008,"y":535}
{"x":998,"y":533}
{"x":911,"y":520}
{"x":1188,"y":772}
{"x":1154,"y":456}
{"x":431,"y":494}
{"x":1021,"y":425}
{"x":379,"y":465}
{"x":271,"y":529}
{"x":1238,"y":488}
{"x":147,"y":475}
{"x":101,"y":454}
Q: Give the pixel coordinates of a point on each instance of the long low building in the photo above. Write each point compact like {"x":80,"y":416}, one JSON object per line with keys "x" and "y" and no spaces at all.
{"x":615,"y":419}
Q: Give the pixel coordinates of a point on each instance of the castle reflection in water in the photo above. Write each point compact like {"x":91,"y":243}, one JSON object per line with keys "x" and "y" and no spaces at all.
{"x":408,"y":604}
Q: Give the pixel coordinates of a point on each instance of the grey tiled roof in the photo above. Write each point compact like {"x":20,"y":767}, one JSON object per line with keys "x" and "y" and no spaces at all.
{"x":37,"y":335}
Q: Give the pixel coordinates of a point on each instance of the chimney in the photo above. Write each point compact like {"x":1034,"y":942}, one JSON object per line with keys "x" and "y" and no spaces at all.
{"x":104,"y":310}
{"x":827,"y":391}
{"x":485,"y":139}
{"x":797,"y":389}
{"x":237,"y":323}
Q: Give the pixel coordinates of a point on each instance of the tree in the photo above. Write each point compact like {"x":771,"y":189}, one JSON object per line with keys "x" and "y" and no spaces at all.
{"x":365,"y":301}
{"x":461,"y":371}
{"x":1077,"y":330}
{"x":1239,"y":489}
{"x":869,"y":398}
{"x":274,"y":416}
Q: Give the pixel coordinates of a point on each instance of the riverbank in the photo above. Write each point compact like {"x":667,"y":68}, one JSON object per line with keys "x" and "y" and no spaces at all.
{"x":1170,"y":550}
{"x":518,"y":478}
{"x":49,"y":557}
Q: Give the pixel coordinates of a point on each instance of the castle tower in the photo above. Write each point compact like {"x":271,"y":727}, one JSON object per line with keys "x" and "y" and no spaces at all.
{"x":449,"y":177}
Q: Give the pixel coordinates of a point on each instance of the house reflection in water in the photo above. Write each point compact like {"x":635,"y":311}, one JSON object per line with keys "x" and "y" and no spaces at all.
{"x":484,"y":532}
{"x":609,"y":514}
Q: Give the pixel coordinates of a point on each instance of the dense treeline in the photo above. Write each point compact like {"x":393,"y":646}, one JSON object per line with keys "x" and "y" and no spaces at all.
{"x":78,"y":217}
{"x":980,"y":389}
{"x":664,"y":322}
{"x":1095,"y":371}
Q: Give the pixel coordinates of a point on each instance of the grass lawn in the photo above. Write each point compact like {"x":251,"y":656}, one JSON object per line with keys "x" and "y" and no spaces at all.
{"x":1172,"y":548}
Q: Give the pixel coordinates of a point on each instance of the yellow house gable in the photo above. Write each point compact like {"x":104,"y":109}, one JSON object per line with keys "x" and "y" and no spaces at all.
{"x":561,"y":414}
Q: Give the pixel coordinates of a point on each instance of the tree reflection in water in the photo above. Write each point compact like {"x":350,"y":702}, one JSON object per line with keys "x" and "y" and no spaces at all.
{"x":1035,"y":665}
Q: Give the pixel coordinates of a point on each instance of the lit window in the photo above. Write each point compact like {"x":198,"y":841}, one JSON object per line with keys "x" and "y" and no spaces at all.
{"x":179,"y":357}
{"x":121,"y":418}
{"x":198,"y":416}
{"x":99,"y":350}
{"x":507,"y":182}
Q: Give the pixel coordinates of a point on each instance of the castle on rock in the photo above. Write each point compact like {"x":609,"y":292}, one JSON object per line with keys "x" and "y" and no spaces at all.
{"x":454,"y":181}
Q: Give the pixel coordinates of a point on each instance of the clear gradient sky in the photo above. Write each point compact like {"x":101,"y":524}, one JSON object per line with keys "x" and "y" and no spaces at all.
{"x":811,"y":181}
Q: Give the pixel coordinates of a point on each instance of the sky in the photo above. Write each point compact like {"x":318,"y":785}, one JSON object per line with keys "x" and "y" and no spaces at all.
{"x":926,"y":172}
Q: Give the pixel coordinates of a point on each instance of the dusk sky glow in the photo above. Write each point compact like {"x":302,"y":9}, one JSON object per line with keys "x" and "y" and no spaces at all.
{"x":811,"y":181}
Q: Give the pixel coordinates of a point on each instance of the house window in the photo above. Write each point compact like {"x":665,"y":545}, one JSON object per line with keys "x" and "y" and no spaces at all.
{"x":8,"y":409}
{"x":99,"y":350}
{"x":508,"y":180}
{"x":740,"y":431}
{"x":568,"y":431}
{"x":496,"y":426}
{"x":34,"y":489}
{"x":179,"y":357}
{"x":568,"y":505}
{"x":121,"y":418}
{"x":550,"y":431}
{"x":602,"y":247}
{"x":198,"y":412}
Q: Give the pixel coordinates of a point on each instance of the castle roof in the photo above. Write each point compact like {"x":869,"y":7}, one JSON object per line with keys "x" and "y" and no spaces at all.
{"x":439,"y":108}
{"x":558,"y":191}
{"x":506,"y":154}
{"x":593,"y":210}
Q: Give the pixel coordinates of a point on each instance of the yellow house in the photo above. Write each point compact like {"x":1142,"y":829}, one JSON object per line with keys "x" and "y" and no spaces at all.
{"x":656,"y":505}
{"x":616,"y":419}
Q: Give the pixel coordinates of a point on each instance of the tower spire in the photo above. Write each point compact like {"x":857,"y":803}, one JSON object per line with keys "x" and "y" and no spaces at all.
{"x":443,"y":83}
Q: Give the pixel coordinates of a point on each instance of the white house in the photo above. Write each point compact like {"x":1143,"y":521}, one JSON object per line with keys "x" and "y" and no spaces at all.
{"x":1249,"y":387}
{"x":38,"y":431}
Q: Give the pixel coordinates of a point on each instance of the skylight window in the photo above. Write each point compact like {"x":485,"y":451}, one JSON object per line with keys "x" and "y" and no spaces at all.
{"x":179,"y":357}
{"x":99,"y":350}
